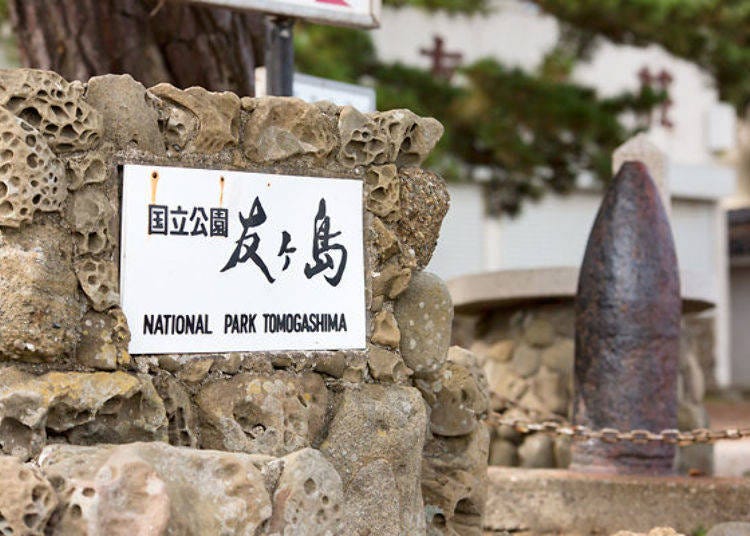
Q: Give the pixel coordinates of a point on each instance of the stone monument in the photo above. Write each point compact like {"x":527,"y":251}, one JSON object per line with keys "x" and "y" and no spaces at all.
{"x":385,"y":439}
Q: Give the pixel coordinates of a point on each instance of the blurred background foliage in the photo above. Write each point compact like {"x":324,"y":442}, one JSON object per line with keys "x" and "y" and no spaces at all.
{"x":527,"y":133}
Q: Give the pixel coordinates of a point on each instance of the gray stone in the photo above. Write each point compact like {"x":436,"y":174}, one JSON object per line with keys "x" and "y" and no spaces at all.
{"x":130,"y":119}
{"x":503,"y":452}
{"x":552,"y":390}
{"x":560,"y":356}
{"x":536,"y":451}
{"x":526,"y":360}
{"x":373,"y":500}
{"x":424,"y":314}
{"x":539,"y":333}
{"x":563,"y":454}
{"x":501,"y":351}
{"x":386,"y":422}
{"x":730,"y":529}
{"x":695,"y":460}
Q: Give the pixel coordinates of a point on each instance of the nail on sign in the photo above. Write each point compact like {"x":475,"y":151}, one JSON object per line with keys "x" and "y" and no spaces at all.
{"x":223,"y":261}
{"x":356,"y":13}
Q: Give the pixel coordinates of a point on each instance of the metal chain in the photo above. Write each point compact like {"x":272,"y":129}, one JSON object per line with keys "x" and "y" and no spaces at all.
{"x":557,"y":426}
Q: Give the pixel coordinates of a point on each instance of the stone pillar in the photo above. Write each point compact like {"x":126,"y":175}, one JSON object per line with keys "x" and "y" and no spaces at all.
{"x":627,"y":339}
{"x":324,"y":442}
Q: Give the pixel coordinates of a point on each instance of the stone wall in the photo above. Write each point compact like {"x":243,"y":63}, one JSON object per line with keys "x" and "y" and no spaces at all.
{"x":387,"y":441}
{"x":527,"y":353}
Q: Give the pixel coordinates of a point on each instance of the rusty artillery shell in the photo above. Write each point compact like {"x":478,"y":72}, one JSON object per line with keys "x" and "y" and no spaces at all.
{"x":627,"y":343}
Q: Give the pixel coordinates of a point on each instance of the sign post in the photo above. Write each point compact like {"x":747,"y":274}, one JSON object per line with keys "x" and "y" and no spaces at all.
{"x":280,"y":23}
{"x":279,"y":56}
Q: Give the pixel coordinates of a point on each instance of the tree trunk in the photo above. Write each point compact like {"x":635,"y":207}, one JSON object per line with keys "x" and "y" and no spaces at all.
{"x":153,"y":40}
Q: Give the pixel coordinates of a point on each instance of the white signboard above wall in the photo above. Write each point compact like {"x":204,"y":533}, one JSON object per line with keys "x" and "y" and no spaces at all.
{"x":356,"y":13}
{"x":314,"y":89}
{"x":221,"y":261}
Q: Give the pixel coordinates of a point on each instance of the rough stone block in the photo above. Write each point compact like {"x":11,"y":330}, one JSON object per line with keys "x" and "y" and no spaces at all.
{"x":154,"y":489}
{"x":130,"y":117}
{"x":40,"y":306}
{"x":379,"y":422}
{"x":31,"y":177}
{"x":276,"y":128}
{"x":454,"y":483}
{"x":216,"y":124}
{"x":266,"y":414}
{"x":80,"y":408}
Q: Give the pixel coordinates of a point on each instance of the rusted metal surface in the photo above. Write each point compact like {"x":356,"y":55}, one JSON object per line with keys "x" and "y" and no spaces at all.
{"x":627,"y":329}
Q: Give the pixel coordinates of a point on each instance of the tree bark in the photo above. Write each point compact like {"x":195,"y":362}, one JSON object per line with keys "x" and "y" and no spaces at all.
{"x":152,"y":40}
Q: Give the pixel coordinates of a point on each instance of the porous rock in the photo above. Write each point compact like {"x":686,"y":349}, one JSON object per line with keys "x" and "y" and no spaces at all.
{"x":41,"y":306}
{"x":379,"y":422}
{"x":86,"y":168}
{"x":217,"y":118}
{"x":31,"y":177}
{"x":94,"y":222}
{"x":272,"y":414}
{"x":276,"y":128}
{"x":308,"y":498}
{"x":82,"y":408}
{"x":397,"y":136}
{"x":383,"y":192}
{"x":457,"y":397}
{"x":99,"y":281}
{"x":130,"y":117}
{"x":154,"y":489}
{"x":53,"y":106}
{"x":27,"y":500}
{"x":454,"y":483}
{"x":424,"y":314}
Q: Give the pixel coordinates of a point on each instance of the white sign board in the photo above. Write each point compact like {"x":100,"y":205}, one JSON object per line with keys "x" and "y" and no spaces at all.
{"x":221,"y":261}
{"x":356,"y":13}
{"x":314,"y":89}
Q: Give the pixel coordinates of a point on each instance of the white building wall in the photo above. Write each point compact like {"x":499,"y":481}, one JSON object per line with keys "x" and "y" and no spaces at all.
{"x":462,"y":242}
